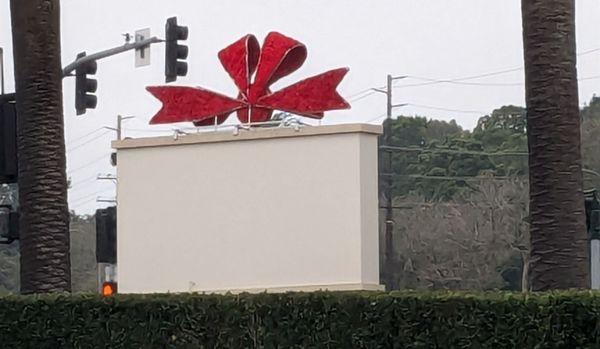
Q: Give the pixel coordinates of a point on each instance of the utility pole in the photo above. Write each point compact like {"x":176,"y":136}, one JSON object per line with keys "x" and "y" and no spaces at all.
{"x":120,"y":125}
{"x":387,"y":179}
{"x":119,"y":128}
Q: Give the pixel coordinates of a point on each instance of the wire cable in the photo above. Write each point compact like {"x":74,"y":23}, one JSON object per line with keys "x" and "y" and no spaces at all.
{"x":457,"y":82}
{"x":358,"y":93}
{"x":87,"y":196}
{"x":491,"y":84}
{"x":84,"y":136}
{"x":583,"y":53}
{"x":484,"y":75}
{"x":459,"y":178}
{"x":88,"y":164}
{"x":146,"y":130}
{"x":88,"y":142}
{"x":376,"y":118}
{"x":83,"y":202}
{"x":452,"y":151}
{"x":83,"y":181}
{"x":447,"y":109}
{"x":362,"y":97}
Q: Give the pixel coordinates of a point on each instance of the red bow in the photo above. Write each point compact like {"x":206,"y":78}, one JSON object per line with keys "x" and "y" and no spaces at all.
{"x":280,"y":56}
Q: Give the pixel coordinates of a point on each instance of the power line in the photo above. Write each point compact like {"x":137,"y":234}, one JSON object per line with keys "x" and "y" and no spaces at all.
{"x":590,"y":78}
{"x":89,"y":195}
{"x":484,"y":75}
{"x":146,"y":130}
{"x":362,"y":97}
{"x":457,"y":178}
{"x":77,"y":189}
{"x":461,"y":80}
{"x":431,"y":81}
{"x":89,"y":141}
{"x":358,"y":93}
{"x":86,"y":180}
{"x":456,"y":82}
{"x":447,"y":109}
{"x":376,"y":118}
{"x":83,"y":202}
{"x":453,"y":151}
{"x":408,"y":205}
{"x":84,"y":197}
{"x":583,"y":53}
{"x":84,"y":136}
{"x":88,"y":164}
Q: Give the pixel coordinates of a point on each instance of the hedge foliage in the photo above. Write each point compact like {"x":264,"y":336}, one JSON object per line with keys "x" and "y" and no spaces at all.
{"x":303,"y":320}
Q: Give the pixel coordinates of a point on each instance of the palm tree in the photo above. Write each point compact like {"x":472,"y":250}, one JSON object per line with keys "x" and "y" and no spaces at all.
{"x":559,"y":242}
{"x":44,"y":220}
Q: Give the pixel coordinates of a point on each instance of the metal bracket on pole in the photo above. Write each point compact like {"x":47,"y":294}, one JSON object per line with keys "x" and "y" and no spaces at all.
{"x":110,"y":52}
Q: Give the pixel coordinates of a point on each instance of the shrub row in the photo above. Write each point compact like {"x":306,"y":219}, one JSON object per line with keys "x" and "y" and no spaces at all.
{"x":303,"y":320}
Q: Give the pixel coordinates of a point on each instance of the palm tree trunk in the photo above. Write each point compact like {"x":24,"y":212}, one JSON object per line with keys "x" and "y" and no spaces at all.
{"x":559,"y":242}
{"x":44,"y":220}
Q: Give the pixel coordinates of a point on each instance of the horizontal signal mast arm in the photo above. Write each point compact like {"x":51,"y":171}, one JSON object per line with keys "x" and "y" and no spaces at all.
{"x":110,"y":52}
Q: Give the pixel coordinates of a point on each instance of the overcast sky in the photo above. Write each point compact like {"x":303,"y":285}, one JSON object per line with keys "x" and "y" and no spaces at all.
{"x":431,"y":39}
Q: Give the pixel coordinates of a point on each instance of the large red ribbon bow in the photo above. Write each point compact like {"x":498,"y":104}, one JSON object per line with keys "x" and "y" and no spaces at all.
{"x":280,"y":56}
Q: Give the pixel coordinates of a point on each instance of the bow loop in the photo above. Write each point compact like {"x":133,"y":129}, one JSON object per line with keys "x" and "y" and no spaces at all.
{"x":240,"y":60}
{"x":280,"y":56}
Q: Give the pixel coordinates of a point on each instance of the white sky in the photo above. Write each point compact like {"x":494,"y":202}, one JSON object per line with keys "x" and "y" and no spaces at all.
{"x":437,"y":39}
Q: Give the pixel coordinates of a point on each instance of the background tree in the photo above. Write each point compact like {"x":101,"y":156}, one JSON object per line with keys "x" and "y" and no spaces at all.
{"x":443,"y":149}
{"x":44,"y":219}
{"x":559,"y":242}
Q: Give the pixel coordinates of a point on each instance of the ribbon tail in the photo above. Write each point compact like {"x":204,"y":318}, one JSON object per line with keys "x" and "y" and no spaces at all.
{"x":310,"y":97}
{"x":190,"y":104}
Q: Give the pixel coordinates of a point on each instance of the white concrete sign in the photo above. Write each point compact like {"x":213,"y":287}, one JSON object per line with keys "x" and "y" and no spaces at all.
{"x":269,"y":209}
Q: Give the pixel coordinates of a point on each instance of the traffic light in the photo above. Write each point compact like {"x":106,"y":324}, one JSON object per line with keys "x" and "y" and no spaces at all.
{"x":9,"y":224}
{"x":175,"y":53}
{"x":106,"y":235}
{"x":592,"y":213}
{"x":84,"y":86}
{"x":109,"y":288}
{"x":8,"y":141}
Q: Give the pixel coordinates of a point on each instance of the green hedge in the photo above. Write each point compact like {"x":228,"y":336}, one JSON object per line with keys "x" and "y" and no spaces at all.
{"x":303,"y":320}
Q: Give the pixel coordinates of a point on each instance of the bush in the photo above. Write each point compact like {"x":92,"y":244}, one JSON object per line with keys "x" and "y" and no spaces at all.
{"x":303,"y":320}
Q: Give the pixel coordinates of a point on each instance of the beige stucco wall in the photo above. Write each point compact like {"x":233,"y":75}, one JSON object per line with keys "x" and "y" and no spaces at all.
{"x":274,"y":209}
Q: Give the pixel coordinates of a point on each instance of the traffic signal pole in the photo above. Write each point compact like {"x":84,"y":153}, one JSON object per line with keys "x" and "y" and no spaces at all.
{"x":69,"y":69}
{"x":175,"y":65}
